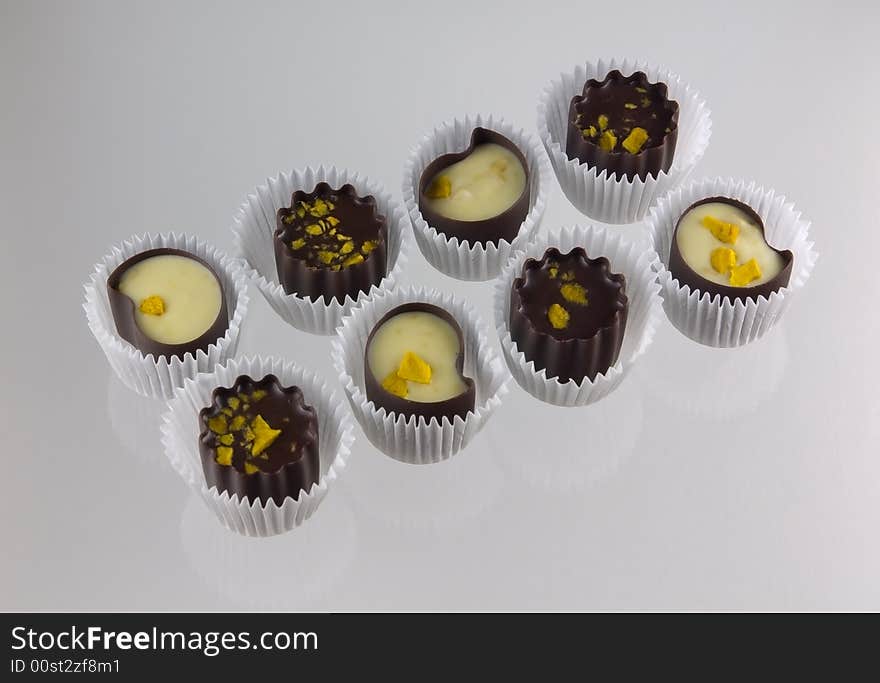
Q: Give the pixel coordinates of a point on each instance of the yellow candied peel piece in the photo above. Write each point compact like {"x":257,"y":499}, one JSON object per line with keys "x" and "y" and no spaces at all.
{"x":237,"y":423}
{"x":723,"y":260}
{"x":630,"y":105}
{"x":250,"y":469}
{"x":574,"y":293}
{"x":352,"y":260}
{"x":346,"y":247}
{"x":723,"y":231}
{"x":635,"y":140}
{"x":608,"y":141}
{"x":332,"y":220}
{"x":414,"y":368}
{"x":553,"y":271}
{"x":321,"y":208}
{"x":298,"y":244}
{"x":218,"y":424}
{"x":742,"y":275}
{"x":603,"y":122}
{"x":314,"y":229}
{"x":396,"y":385}
{"x":153,"y":305}
{"x":264,"y":435}
{"x":440,"y":188}
{"x":233,"y":402}
{"x":326,"y":257}
{"x":226,"y":439}
{"x":368,"y":246}
{"x":558,"y":316}
{"x":224,"y":455}
{"x":590,"y":132}
{"x":258,"y":394}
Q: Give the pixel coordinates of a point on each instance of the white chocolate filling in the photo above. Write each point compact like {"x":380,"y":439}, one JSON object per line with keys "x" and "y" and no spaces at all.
{"x":696,"y":243}
{"x":487,"y":182}
{"x":188,"y":289}
{"x":432,"y":339}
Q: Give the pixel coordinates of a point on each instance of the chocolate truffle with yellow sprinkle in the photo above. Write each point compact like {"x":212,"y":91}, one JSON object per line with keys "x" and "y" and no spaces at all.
{"x":259,"y":440}
{"x":568,"y":314}
{"x":719,"y":247}
{"x":624,"y":125}
{"x":330,"y":243}
{"x":413,"y":364}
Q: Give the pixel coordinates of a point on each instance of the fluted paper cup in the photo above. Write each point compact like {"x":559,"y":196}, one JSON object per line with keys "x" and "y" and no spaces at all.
{"x":145,"y":373}
{"x":254,"y":228}
{"x":711,"y":320}
{"x":180,"y":439}
{"x":598,"y":194}
{"x":413,"y":439}
{"x":643,"y":316}
{"x":464,"y":260}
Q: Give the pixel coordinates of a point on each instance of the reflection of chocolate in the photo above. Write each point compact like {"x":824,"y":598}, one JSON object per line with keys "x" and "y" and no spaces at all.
{"x":504,"y":225}
{"x":330,"y":243}
{"x":568,"y":314}
{"x":123,"y":309}
{"x":460,"y":404}
{"x":259,"y":440}
{"x":624,"y":125}
{"x":686,"y":275}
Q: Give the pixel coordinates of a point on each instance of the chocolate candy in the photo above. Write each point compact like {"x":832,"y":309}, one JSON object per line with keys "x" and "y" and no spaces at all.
{"x":719,"y":247}
{"x":259,"y":441}
{"x":480,"y":194}
{"x":624,"y":125}
{"x":568,"y":314}
{"x":330,"y":243}
{"x":413,"y":364}
{"x":167,"y":302}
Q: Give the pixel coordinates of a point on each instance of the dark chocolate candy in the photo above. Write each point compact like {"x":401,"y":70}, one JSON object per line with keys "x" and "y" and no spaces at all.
{"x":687,"y":276}
{"x":123,"y":309}
{"x":588,"y":303}
{"x":628,"y":102}
{"x":459,"y":405}
{"x":504,"y":225}
{"x":287,"y":466}
{"x":312,"y":256}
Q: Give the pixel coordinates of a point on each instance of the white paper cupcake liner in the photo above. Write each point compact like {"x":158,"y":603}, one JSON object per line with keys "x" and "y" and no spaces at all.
{"x":412,"y":439}
{"x":643,"y":316}
{"x":180,"y":439}
{"x":146,"y":374}
{"x":711,"y":320}
{"x":595,"y":193}
{"x":254,"y":227}
{"x":464,"y":260}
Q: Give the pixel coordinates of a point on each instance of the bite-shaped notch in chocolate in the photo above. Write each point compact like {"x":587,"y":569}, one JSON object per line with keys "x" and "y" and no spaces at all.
{"x":719,"y":247}
{"x":568,"y":314}
{"x":480,"y":194}
{"x":624,"y":125}
{"x":167,"y":302}
{"x":330,"y":243}
{"x":259,"y":440}
{"x":414,"y":362}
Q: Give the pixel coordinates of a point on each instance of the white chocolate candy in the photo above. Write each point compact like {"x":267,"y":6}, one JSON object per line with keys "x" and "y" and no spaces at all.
{"x":189,"y":291}
{"x":431,"y":338}
{"x":696,"y":243}
{"x":487,"y":182}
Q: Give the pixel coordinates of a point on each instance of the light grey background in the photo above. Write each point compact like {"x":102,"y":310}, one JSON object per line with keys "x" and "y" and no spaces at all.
{"x":746,"y":478}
